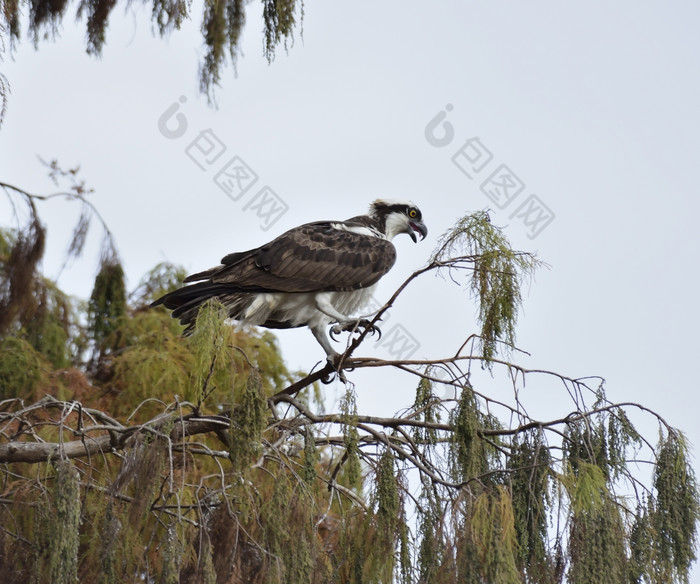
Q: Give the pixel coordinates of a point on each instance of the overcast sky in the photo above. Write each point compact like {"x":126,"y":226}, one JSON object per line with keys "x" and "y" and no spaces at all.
{"x":587,"y":111}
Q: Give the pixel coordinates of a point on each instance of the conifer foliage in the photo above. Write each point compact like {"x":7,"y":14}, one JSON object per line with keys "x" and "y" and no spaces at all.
{"x":131,"y":454}
{"x":222,"y":25}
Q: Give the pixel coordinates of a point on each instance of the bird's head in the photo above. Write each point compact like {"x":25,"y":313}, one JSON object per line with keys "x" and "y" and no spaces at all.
{"x":398,"y":217}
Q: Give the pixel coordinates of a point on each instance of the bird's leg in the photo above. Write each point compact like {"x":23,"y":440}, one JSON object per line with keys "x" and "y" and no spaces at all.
{"x":344,"y":323}
{"x":320,"y":335}
{"x":332,"y":356}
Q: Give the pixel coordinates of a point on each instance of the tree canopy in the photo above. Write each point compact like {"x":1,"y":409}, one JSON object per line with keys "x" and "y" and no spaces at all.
{"x":222,"y":25}
{"x":129,"y":453}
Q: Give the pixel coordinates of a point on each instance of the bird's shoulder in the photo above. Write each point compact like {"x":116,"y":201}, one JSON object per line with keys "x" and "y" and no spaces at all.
{"x":358,"y":235}
{"x":315,"y":256}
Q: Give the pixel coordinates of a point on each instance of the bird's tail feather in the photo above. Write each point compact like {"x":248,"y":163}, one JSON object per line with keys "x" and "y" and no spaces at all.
{"x":185,"y":302}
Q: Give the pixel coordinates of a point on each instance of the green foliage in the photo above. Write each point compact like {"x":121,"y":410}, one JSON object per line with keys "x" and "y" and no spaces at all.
{"x":208,"y":344}
{"x":587,"y":444}
{"x":22,"y":369}
{"x":597,"y":533}
{"x":50,"y":331}
{"x":18,"y":274}
{"x":221,"y":27}
{"x":389,"y":517}
{"x":164,"y":278}
{"x":622,"y":436}
{"x":155,"y":362}
{"x":44,"y":19}
{"x":471,"y":457}
{"x":427,"y":408}
{"x":32,"y":306}
{"x":211,"y":366}
{"x":585,"y":485}
{"x":247,"y":423}
{"x":311,"y":455}
{"x":121,"y":525}
{"x":97,"y":17}
{"x":348,"y":409}
{"x":432,"y":550}
{"x":603,"y":440}
{"x":675,"y":512}
{"x":107,"y":306}
{"x":109,"y":538}
{"x":280,"y":20}
{"x":169,"y":15}
{"x":487,"y":541}
{"x":529,"y":464}
{"x":287,"y":522}
{"x":140,"y":475}
{"x":497,"y":278}
{"x":7,"y":241}
{"x":372,"y":541}
{"x":405,"y":565}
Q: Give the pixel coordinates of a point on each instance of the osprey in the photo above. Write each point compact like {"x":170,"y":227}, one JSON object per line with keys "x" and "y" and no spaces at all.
{"x":313,"y":275}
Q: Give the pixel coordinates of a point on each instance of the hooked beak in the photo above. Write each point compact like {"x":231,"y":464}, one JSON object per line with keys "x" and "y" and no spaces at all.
{"x":417,"y":226}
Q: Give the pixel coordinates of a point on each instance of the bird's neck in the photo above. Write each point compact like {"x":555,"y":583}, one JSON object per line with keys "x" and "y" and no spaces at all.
{"x":364,"y":224}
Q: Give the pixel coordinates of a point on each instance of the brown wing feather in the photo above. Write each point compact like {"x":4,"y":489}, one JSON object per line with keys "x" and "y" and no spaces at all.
{"x":310,"y":258}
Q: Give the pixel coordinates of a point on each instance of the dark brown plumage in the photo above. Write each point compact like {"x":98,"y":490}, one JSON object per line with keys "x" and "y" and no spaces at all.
{"x":309,"y":258}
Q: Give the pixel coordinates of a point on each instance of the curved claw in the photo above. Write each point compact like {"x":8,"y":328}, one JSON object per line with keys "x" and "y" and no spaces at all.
{"x":331,"y":377}
{"x":334,"y":361}
{"x":352,"y":327}
{"x":372,"y":329}
{"x":375,"y":330}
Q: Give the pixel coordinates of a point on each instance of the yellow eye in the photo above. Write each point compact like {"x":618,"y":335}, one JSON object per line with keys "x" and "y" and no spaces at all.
{"x":412,"y":213}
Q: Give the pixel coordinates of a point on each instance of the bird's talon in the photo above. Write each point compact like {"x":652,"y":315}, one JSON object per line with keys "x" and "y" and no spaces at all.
{"x":334,"y":361}
{"x":352,"y":327}
{"x":327,"y":379}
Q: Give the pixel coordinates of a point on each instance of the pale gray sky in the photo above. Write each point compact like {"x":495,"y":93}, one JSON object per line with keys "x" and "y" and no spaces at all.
{"x":591,"y":107}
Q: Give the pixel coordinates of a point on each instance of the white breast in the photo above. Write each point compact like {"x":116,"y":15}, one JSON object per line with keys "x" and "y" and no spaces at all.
{"x":299,"y":309}
{"x":353,"y":302}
